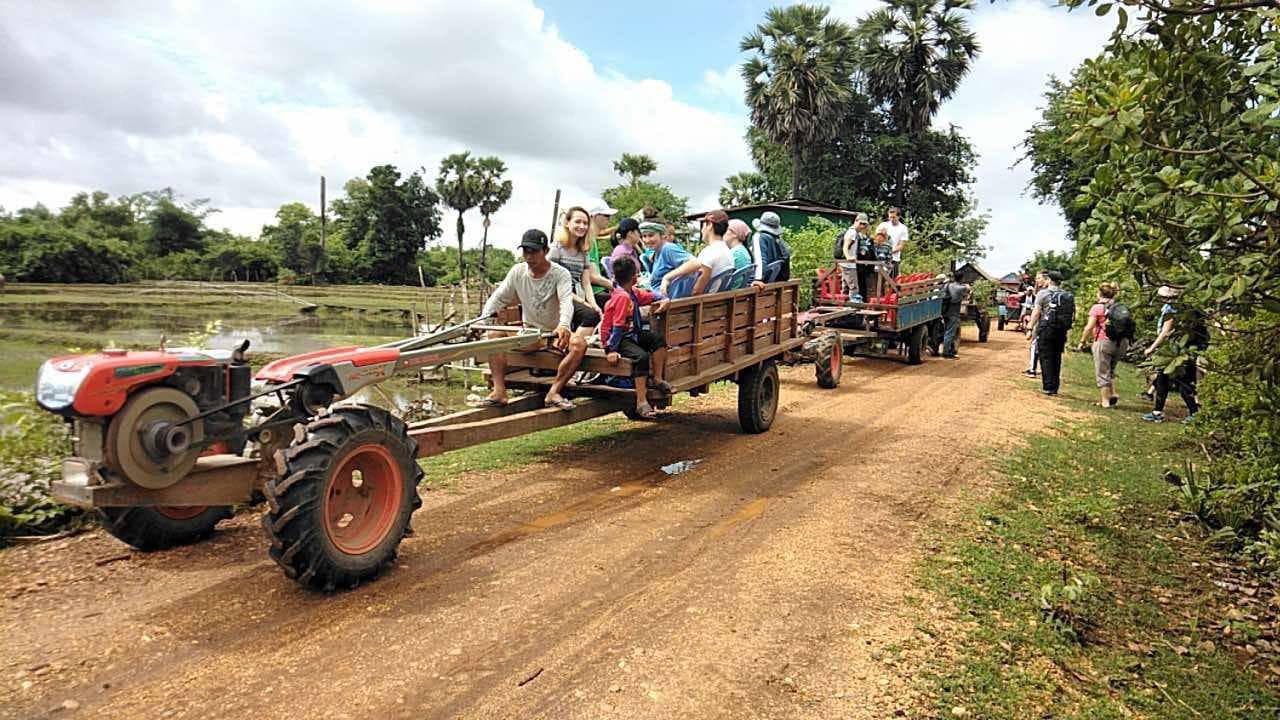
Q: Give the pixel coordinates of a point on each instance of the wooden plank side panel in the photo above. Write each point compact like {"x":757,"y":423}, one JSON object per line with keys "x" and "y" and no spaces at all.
{"x":443,"y":438}
{"x":546,"y":360}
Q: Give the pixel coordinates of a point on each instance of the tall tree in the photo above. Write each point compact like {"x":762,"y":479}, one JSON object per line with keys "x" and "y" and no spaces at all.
{"x":459,"y":188}
{"x":495,"y":191}
{"x":295,"y":238}
{"x":914,"y":54}
{"x":634,"y":167}
{"x":798,"y":77}
{"x":388,"y":221}
{"x":745,"y":188}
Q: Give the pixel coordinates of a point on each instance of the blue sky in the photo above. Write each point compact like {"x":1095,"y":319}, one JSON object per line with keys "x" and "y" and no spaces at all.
{"x":248,"y":103}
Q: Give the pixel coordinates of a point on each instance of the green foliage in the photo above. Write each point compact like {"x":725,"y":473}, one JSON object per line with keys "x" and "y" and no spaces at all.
{"x":1063,"y":262}
{"x":388,"y":221}
{"x":798,"y":77}
{"x":459,"y":185}
{"x":810,"y":250}
{"x":634,"y":167}
{"x":913,"y":55}
{"x":494,"y":193}
{"x":1164,"y":153}
{"x":630,"y":199}
{"x":440,"y":264}
{"x":32,"y":445}
{"x":295,"y":239}
{"x":745,"y":188}
{"x":49,"y":252}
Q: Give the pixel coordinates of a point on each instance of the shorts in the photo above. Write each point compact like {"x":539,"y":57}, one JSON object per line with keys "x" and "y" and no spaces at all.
{"x":1105,"y":354}
{"x":583,"y":316}
{"x":637,"y":349}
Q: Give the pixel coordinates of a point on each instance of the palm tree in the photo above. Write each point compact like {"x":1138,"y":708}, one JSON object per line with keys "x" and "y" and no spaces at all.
{"x":798,"y":78}
{"x":745,"y":188}
{"x":459,"y":188}
{"x":914,"y":55}
{"x":494,"y":193}
{"x":634,"y":167}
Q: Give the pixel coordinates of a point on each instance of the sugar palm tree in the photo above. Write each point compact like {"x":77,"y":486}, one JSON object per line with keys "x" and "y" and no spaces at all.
{"x":634,"y":167}
{"x":494,"y":193}
{"x":459,"y":188}
{"x":798,"y":77}
{"x":914,"y":53}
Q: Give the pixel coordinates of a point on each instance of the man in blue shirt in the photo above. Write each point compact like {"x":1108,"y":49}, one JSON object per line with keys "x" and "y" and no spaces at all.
{"x":667,"y":255}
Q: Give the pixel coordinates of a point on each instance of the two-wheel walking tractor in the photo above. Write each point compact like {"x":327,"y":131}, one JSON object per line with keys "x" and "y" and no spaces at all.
{"x":166,"y":442}
{"x":899,"y":318}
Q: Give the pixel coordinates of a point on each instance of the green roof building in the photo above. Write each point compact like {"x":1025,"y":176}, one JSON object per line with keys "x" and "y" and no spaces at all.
{"x":794,"y":213}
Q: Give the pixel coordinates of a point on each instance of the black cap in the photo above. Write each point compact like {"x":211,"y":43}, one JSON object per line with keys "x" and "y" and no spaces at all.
{"x":534,"y":239}
{"x":626,"y":225}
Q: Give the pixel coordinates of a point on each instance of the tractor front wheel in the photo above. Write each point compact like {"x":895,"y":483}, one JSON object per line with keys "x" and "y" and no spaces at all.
{"x":337,"y":514}
{"x":758,"y":397}
{"x":828,"y":360}
{"x":161,"y":527}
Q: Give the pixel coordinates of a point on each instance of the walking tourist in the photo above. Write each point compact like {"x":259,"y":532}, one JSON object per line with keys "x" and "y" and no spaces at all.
{"x":953,"y":295}
{"x":1185,"y":375}
{"x":1107,"y":333}
{"x":1050,"y":324}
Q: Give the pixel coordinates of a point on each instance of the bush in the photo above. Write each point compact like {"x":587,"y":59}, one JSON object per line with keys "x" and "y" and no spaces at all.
{"x":810,"y":250}
{"x":32,"y":445}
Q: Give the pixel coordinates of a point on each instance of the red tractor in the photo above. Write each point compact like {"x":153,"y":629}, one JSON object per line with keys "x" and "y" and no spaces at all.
{"x":160,"y":438}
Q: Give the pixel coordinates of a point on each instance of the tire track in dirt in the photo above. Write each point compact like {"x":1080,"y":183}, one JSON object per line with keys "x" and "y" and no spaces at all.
{"x":759,"y":584}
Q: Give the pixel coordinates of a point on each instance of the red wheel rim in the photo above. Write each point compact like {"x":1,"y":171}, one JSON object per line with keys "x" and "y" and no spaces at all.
{"x":361,"y":499}
{"x":837,"y":357}
{"x":175,"y":512}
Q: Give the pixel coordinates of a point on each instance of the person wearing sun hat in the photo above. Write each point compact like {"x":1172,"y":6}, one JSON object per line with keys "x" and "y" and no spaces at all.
{"x":1185,"y":376}
{"x":767,"y":247}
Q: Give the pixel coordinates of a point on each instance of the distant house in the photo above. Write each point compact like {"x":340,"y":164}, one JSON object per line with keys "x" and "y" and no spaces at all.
{"x":972,"y":272}
{"x":794,"y":213}
{"x":1013,"y":281}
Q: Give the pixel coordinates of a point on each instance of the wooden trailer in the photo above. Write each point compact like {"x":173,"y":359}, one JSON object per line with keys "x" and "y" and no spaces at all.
{"x":739,"y":336}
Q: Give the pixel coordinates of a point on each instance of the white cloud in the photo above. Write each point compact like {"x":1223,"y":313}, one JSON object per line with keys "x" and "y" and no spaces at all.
{"x":724,"y":84}
{"x":247,"y":103}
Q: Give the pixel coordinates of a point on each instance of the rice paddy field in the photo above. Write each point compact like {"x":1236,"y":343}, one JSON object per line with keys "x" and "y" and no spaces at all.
{"x":39,"y":321}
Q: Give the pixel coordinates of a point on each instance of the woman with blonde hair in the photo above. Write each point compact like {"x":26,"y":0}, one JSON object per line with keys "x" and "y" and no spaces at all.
{"x":573,"y":241}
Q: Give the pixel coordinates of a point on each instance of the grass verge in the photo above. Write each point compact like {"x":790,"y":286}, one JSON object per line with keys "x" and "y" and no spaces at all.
{"x":1080,"y":591}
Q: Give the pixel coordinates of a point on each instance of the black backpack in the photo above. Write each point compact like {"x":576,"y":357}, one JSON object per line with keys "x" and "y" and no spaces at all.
{"x":1060,"y":314}
{"x":837,"y":251}
{"x":1120,"y":324}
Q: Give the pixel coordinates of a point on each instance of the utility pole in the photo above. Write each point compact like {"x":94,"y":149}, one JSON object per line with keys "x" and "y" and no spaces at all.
{"x":323,"y":217}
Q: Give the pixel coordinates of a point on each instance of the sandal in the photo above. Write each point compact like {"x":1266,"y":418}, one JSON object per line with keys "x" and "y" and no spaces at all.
{"x":646,"y":412}
{"x":490,"y":402}
{"x":561,"y":403}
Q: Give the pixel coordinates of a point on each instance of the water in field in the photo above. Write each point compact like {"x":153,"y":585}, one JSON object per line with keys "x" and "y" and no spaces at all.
{"x":41,"y":321}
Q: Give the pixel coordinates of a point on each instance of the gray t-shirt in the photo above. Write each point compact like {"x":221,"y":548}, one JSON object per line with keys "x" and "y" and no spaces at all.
{"x":570,"y":259}
{"x":545,"y":303}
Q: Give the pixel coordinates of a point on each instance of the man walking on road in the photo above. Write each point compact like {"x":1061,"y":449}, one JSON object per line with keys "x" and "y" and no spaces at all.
{"x":953,"y":295}
{"x":1050,"y":323}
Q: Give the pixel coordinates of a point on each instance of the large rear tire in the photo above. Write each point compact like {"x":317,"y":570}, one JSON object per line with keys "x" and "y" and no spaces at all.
{"x":149,"y":528}
{"x":758,"y":397}
{"x":337,"y":514}
{"x":828,"y":360}
{"x":916,"y":345}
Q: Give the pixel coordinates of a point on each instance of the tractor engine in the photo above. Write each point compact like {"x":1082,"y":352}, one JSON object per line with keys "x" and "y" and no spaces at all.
{"x":146,"y":416}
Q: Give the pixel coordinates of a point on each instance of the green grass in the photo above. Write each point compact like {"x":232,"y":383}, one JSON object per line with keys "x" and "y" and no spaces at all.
{"x":1138,"y":632}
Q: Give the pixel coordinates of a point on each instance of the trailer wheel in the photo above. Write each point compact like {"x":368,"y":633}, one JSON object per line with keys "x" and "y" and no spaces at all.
{"x":984,"y":327}
{"x":933,"y":337}
{"x":758,"y":397}
{"x":160,"y":527}
{"x":828,"y":360}
{"x":916,"y":345}
{"x":1000,"y":322}
{"x":343,"y":503}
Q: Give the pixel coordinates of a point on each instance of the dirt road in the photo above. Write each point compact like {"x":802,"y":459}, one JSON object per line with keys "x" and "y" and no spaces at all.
{"x":766,"y":582}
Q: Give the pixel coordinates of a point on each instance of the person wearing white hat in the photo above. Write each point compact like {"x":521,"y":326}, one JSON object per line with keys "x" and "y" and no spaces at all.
{"x":1185,"y":376}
